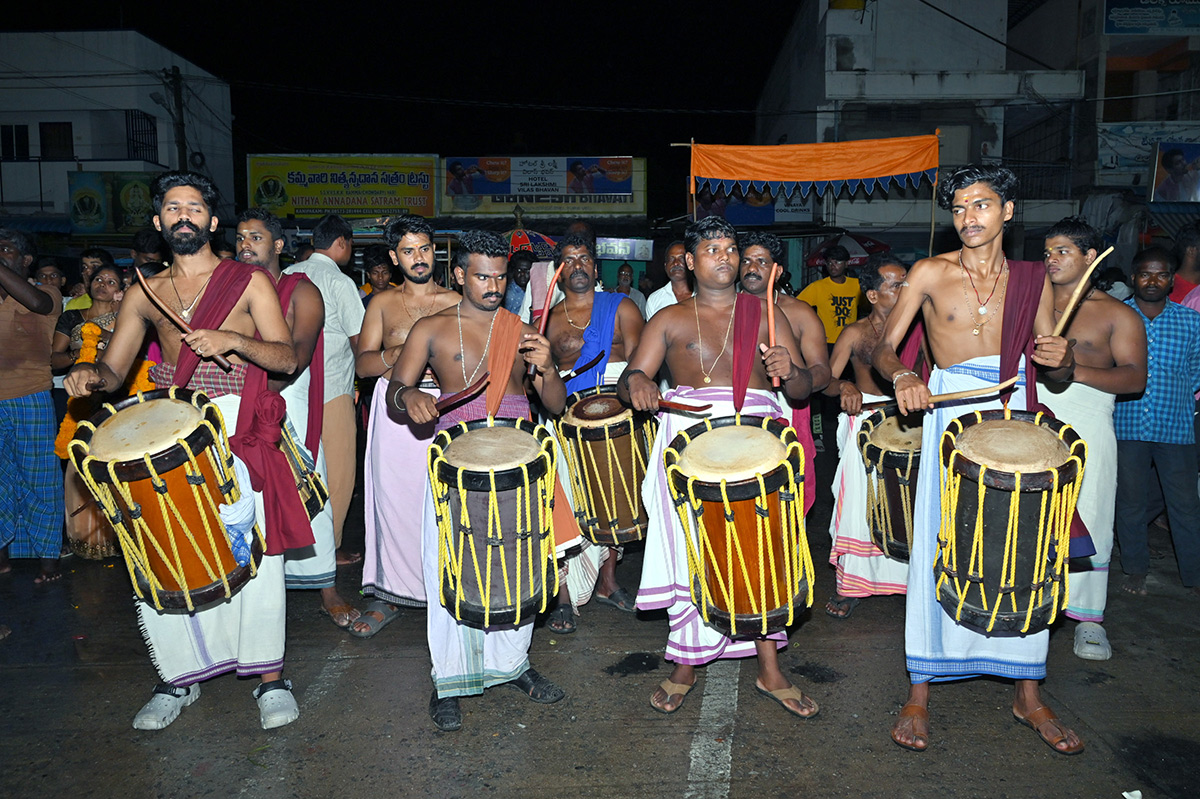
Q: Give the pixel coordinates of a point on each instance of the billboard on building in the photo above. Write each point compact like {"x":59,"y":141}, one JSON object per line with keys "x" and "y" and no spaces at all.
{"x":350,"y":185}
{"x":1151,"y":17}
{"x":1176,"y":173}
{"x":544,"y":185}
{"x":109,"y":202}
{"x":1127,"y":151}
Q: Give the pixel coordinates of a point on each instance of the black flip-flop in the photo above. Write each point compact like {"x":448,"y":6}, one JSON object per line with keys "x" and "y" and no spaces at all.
{"x":620,"y":599}
{"x":846,"y":604}
{"x":563,"y":615}
{"x":538,"y":688}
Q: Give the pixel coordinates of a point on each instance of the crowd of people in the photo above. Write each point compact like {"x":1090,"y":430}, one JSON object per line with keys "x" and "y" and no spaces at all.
{"x":1123,"y":372}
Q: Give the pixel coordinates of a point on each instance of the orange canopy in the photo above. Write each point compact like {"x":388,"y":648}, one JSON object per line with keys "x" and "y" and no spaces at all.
{"x":787,"y":167}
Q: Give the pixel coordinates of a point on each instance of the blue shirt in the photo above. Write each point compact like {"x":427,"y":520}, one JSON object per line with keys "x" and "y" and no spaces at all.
{"x":1163,"y":413}
{"x":514,"y":296}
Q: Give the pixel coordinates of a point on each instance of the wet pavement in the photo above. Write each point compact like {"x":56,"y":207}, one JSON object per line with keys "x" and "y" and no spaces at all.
{"x":75,"y":671}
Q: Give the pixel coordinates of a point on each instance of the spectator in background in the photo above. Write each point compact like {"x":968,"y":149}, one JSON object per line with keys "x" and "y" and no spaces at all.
{"x":49,"y":274}
{"x":1156,"y":427}
{"x":303,"y":251}
{"x":519,"y":264}
{"x":679,"y":280}
{"x":1187,"y":255}
{"x":378,"y":265}
{"x":89,"y":261}
{"x":148,"y":246}
{"x":222,"y":248}
{"x":834,"y":297}
{"x":625,"y":286}
{"x":31,"y":493}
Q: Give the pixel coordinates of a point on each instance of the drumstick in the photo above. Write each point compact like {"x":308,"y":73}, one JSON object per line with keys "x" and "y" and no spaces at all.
{"x":684,"y":407}
{"x":578,"y":370}
{"x":953,"y":395}
{"x":546,"y":309}
{"x":176,"y":319}
{"x":1076,"y":297}
{"x":771,"y":314}
{"x":467,"y":393}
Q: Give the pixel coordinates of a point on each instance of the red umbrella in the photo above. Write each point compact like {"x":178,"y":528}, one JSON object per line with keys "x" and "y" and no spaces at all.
{"x":522,"y":239}
{"x":859,"y":247}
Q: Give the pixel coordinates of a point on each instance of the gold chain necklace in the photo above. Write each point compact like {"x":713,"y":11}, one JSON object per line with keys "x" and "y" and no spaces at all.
{"x":572,"y":324}
{"x":700,"y":341}
{"x":422,"y":311}
{"x":983,"y":306}
{"x":463,"y":354}
{"x":186,"y":313}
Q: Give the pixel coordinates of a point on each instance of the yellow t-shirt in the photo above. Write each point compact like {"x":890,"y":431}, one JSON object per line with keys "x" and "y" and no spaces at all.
{"x":836,"y":304}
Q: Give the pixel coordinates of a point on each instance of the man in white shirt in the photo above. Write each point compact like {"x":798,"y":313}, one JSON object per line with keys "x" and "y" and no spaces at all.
{"x":333,"y":240}
{"x":678,"y":286}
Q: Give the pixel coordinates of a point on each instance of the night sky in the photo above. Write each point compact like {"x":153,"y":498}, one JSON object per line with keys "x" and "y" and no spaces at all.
{"x":394,"y":78}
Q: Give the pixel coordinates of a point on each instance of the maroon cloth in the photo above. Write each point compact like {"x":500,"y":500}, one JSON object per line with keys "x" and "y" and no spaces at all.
{"x":316,"y":367}
{"x":910,"y":350}
{"x":260,"y":417}
{"x":1026,"y":279}
{"x":747,"y":315}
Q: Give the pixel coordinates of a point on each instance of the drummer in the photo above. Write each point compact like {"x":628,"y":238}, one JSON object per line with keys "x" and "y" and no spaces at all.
{"x":590,"y":323}
{"x":1111,"y":348}
{"x":696,"y":339}
{"x":236,"y":313}
{"x":862,"y":569}
{"x":982,"y":313}
{"x":473,"y":338}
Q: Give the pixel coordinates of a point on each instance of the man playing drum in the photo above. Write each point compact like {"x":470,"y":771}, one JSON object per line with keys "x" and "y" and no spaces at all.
{"x":612,"y":325}
{"x":460,"y":344}
{"x":981,"y":313}
{"x":392,"y":563}
{"x":1110,"y":352}
{"x":236,"y":313}
{"x":259,"y":242}
{"x":704,"y":372}
{"x":862,"y":569}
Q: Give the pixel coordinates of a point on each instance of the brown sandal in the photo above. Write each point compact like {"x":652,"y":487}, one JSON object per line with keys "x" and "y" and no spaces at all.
{"x":1036,"y":719}
{"x":672,"y":689}
{"x":917,"y":712}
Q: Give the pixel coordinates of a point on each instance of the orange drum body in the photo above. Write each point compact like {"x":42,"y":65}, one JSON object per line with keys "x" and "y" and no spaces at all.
{"x":606,"y":446}
{"x":1009,"y":484}
{"x":159,"y":465}
{"x":738,"y":487}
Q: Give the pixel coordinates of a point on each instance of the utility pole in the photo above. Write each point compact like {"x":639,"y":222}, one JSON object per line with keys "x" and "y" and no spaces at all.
{"x":175,"y":80}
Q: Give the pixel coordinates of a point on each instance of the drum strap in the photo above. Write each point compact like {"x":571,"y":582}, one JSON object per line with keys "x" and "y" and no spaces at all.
{"x":747,"y":313}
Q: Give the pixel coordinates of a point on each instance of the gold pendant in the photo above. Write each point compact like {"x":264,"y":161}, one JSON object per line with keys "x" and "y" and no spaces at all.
{"x":975,"y":332}
{"x":707,"y":379}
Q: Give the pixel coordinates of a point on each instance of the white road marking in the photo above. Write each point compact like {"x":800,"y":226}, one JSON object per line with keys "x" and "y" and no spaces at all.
{"x":336,"y":665}
{"x":712,"y":743}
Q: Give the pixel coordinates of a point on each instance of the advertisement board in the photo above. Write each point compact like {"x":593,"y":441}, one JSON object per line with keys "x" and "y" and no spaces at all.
{"x":544,"y":186}
{"x":1175,"y":176}
{"x":1152,"y":17}
{"x":350,"y":185}
{"x":109,"y":202}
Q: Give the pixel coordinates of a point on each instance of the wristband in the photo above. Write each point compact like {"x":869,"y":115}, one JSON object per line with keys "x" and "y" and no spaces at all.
{"x":396,"y":399}
{"x":903,"y":374}
{"x":628,"y":374}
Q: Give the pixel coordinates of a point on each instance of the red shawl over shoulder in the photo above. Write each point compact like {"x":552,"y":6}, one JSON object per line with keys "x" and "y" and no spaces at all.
{"x":260,"y":417}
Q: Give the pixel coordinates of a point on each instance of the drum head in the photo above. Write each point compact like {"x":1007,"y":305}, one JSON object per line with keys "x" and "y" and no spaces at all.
{"x":492,"y":448}
{"x":144,"y":427}
{"x":732,"y":453}
{"x":891,"y":435}
{"x":1012,"y":446}
{"x":598,"y":410}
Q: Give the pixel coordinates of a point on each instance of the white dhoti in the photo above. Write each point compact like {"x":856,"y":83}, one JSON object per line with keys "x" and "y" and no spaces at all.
{"x":1090,"y":412}
{"x":665,"y":577}
{"x":937,"y":648}
{"x":244,"y":633}
{"x":862,"y":570}
{"x":313,"y":566}
{"x":396,"y":480}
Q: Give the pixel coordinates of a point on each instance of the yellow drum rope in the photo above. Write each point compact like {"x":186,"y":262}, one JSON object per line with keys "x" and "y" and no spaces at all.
{"x":879,"y":510}
{"x":1054,"y":528}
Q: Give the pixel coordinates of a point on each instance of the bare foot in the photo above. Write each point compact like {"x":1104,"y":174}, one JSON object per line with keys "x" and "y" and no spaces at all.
{"x":345,"y":558}
{"x":1135,"y":584}
{"x":50,"y":572}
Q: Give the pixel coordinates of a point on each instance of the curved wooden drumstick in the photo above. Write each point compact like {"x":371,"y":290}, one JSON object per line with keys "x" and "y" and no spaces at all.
{"x":176,"y":319}
{"x":771,"y":314}
{"x":682,"y":407}
{"x":467,"y":393}
{"x":953,"y":395}
{"x":546,"y":309}
{"x":1077,"y":295}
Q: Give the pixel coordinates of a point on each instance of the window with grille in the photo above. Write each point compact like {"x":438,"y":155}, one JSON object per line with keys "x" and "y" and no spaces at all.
{"x":141,"y":136}
{"x":14,"y":142}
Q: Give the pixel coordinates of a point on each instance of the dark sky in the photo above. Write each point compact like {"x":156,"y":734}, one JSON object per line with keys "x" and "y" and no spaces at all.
{"x":442,"y":78}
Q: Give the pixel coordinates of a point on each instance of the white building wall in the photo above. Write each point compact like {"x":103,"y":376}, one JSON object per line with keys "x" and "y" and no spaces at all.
{"x":90,"y":79}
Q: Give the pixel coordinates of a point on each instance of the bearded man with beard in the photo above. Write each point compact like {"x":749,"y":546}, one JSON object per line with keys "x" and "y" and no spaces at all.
{"x":392,"y":568}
